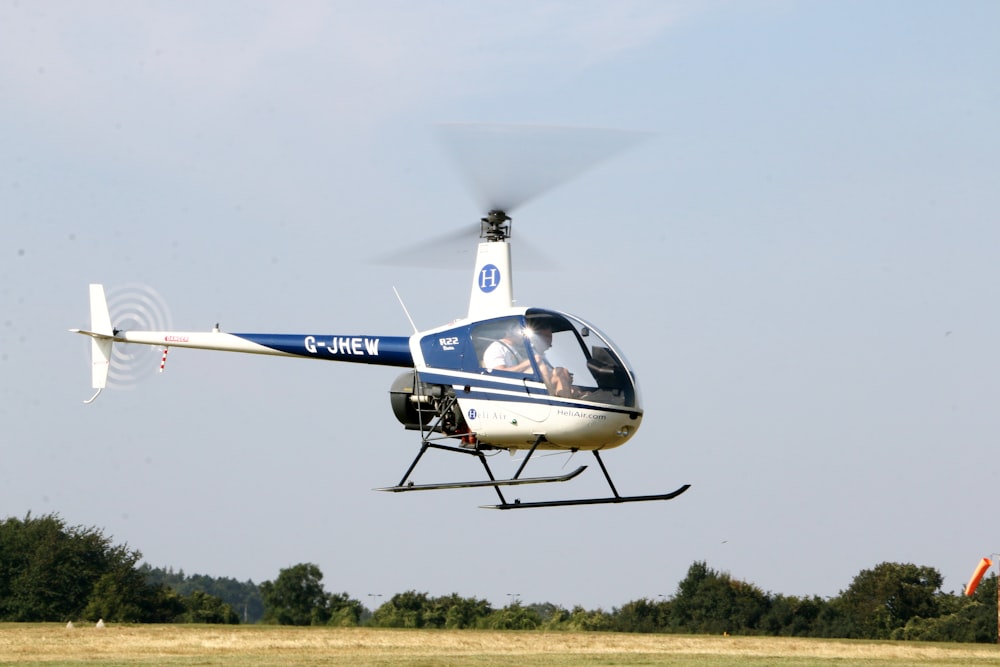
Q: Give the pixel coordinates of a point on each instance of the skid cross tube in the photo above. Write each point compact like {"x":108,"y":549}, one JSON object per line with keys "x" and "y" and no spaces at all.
{"x":600,"y":462}
{"x":426,"y":444}
{"x":516,"y":480}
{"x":539,"y":439}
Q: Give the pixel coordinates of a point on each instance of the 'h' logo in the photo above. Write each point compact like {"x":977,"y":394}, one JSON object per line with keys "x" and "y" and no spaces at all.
{"x":489,"y":278}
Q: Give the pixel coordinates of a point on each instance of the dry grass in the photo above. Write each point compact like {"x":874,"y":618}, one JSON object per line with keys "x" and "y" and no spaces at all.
{"x":51,"y":645}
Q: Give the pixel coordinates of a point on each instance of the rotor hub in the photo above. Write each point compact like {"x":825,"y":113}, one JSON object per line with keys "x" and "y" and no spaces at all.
{"x":495,"y":226}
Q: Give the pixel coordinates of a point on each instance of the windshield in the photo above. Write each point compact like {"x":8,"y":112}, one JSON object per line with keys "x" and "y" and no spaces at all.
{"x":577,"y":361}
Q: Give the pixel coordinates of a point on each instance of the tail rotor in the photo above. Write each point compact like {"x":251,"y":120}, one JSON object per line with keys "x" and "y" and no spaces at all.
{"x":135,"y":307}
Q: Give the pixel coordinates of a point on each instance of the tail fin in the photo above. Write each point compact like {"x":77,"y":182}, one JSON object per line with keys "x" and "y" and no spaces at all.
{"x":101,"y":338}
{"x":100,"y":348}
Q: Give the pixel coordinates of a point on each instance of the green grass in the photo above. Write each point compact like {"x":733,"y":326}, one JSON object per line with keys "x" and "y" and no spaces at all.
{"x":262,"y":646}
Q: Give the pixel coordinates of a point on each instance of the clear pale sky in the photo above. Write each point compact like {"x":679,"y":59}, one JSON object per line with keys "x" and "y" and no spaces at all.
{"x":801,"y":263}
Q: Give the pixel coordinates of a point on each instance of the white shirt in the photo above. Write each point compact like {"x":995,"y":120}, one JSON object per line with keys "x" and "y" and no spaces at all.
{"x":500,"y":353}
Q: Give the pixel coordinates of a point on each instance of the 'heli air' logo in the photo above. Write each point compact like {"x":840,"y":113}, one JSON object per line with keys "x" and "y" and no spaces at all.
{"x":489,"y":278}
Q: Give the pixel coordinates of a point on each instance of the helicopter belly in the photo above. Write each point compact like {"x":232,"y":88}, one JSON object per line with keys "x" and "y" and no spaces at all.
{"x":505,"y":423}
{"x":517,"y":424}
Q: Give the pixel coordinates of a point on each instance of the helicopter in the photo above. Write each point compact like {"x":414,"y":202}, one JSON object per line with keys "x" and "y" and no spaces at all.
{"x":503,"y":378}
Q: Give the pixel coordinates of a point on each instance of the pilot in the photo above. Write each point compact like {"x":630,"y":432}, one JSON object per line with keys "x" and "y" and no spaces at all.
{"x":558,"y":380}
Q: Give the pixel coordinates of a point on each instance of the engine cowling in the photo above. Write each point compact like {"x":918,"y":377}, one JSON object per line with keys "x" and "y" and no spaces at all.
{"x":420,"y":406}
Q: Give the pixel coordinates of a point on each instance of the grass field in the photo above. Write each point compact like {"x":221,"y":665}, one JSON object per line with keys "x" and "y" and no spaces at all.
{"x":258,"y":646}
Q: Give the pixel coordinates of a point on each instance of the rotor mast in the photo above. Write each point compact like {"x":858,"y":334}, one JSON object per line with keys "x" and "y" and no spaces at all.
{"x":492,"y":291}
{"x":507,"y":166}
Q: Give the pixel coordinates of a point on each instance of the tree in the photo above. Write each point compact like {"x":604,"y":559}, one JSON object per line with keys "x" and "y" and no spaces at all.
{"x":642,"y":616}
{"x":52,"y":572}
{"x":882,"y":600}
{"x":589,"y":621}
{"x":120,"y":595}
{"x":418,"y":610}
{"x":512,"y":617}
{"x":200,"y":607}
{"x":711,"y":602}
{"x":242,"y":596}
{"x":981,"y":610}
{"x":790,"y":616}
{"x":344,"y":610}
{"x":296,"y":597}
{"x":553,"y":616}
{"x":461,"y":613}
{"x":959,"y":618}
{"x":403,"y":610}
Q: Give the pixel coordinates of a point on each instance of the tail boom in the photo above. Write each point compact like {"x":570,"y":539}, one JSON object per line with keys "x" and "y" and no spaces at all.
{"x":377,"y":350}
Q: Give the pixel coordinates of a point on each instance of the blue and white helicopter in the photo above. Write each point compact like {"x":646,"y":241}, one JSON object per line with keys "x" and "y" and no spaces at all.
{"x":502,"y":378}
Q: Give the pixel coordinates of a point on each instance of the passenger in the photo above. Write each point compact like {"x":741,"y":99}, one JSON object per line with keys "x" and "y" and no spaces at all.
{"x":508,"y":353}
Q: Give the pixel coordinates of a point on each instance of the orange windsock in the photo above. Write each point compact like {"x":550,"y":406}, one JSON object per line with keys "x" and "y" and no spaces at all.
{"x":984,"y":565}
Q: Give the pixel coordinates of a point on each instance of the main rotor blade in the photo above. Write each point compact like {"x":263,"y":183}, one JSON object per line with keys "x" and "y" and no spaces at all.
{"x":508,"y":165}
{"x":457,"y":250}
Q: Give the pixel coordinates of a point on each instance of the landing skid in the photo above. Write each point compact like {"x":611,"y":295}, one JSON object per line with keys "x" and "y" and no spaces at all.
{"x":485,"y":482}
{"x":614,"y":499}
{"x":517,"y":480}
{"x":517,"y":504}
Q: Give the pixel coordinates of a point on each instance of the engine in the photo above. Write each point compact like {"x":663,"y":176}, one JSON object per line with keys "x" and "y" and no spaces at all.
{"x":424,"y":407}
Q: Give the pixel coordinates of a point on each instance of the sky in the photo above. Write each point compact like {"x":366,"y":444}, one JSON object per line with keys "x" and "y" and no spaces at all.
{"x":800,"y":262}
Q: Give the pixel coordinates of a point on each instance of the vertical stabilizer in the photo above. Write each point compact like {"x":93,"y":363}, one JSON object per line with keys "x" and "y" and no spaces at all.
{"x":100,"y":318}
{"x":100,"y":347}
{"x":492,"y":282}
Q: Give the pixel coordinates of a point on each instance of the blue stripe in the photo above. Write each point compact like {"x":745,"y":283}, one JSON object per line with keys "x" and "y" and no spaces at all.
{"x":379,"y":350}
{"x":548,"y":400}
{"x":481,"y":381}
{"x":483,"y":387}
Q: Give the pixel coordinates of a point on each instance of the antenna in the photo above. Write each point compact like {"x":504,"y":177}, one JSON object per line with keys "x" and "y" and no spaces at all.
{"x":405,"y":311}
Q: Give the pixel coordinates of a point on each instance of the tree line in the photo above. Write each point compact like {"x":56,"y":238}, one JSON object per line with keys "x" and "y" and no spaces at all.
{"x":53,"y":572}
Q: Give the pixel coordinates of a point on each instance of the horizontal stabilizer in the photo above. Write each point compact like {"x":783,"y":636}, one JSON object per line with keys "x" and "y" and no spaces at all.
{"x":92,"y":334}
